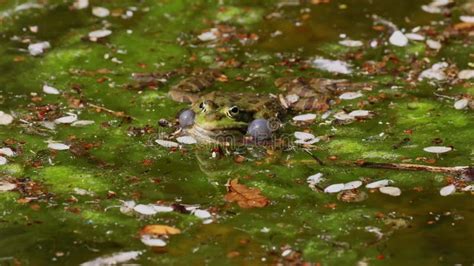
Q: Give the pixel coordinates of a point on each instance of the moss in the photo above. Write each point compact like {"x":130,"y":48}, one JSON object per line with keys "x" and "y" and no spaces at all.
{"x":13,"y":169}
{"x":345,"y":146}
{"x":240,"y":15}
{"x":380,"y":155}
{"x":63,"y":179}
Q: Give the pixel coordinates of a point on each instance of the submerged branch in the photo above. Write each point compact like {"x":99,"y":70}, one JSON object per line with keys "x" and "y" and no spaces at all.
{"x":456,"y":170}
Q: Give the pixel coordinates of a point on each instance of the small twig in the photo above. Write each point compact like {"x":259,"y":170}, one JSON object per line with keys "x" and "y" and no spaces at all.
{"x":444,"y":96}
{"x":379,"y":20}
{"x":457,"y":170}
{"x":320,"y":162}
{"x":114,"y":113}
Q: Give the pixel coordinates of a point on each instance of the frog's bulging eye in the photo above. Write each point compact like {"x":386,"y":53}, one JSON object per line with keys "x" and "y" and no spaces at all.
{"x":234,"y":110}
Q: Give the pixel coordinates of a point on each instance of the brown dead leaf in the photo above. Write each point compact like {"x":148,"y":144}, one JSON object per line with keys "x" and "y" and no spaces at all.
{"x":463,"y":26}
{"x":159,"y":230}
{"x":244,"y":196}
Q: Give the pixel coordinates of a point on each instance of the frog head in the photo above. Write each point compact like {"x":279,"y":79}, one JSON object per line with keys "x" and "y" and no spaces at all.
{"x":217,"y":116}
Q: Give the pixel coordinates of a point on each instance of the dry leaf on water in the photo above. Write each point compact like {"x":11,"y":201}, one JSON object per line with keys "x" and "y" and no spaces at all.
{"x":244,"y":196}
{"x":158,"y":230}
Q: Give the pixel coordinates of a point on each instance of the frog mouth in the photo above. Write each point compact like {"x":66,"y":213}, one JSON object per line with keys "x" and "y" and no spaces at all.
{"x":221,"y":127}
{"x":228,"y":134}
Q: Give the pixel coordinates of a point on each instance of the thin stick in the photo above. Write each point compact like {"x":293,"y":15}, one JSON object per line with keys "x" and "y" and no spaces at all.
{"x":314,"y":157}
{"x":418,"y":167}
{"x":115,"y":113}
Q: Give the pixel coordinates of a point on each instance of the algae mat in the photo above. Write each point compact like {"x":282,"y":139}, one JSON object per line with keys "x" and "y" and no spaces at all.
{"x":83,"y":179}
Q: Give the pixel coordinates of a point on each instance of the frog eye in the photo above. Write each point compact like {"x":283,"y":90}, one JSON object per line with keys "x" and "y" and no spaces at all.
{"x":203,"y":106}
{"x":234,"y":110}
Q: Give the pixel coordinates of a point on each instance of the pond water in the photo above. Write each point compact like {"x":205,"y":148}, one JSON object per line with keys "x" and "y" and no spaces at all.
{"x":74,"y":192}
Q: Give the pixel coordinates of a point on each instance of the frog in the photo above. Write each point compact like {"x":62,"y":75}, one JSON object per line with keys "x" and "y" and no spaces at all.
{"x":218,"y":116}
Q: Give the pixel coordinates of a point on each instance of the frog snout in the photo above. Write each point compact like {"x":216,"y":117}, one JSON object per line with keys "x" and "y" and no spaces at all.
{"x":214,"y":116}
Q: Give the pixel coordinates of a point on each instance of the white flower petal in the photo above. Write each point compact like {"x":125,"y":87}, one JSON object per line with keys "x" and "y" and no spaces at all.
{"x":202,"y":214}
{"x":303,"y":135}
{"x":208,"y":36}
{"x":50,"y":90}
{"x":352,"y":185}
{"x":431,"y":9}
{"x":415,"y":37}
{"x":38,"y":48}
{"x":145,"y":209}
{"x":461,"y":104}
{"x":379,"y":183}
{"x":307,"y":142}
{"x":167,"y":143}
{"x":58,"y":146}
{"x":6,"y":186}
{"x":5,"y":119}
{"x":466,"y":74}
{"x":467,"y":19}
{"x":359,"y":113}
{"x":351,"y":43}
{"x":95,"y":35}
{"x":100,"y":12}
{"x":398,"y":39}
{"x":438,"y":149}
{"x":335,"y":188}
{"x":3,"y":160}
{"x":333,"y":66}
{"x":66,"y":119}
{"x":351,"y":95}
{"x":392,"y":191}
{"x":304,"y":117}
{"x":436,"y":72}
{"x":186,"y":140}
{"x":160,"y":208}
{"x":435,"y":45}
{"x":315,"y":179}
{"x":127,"y":206}
{"x":343,"y":116}
{"x":447,"y":190}
{"x":81,"y":4}
{"x":468,"y":188}
{"x":7,"y":151}
{"x":114,"y":259}
{"x":152,"y":241}
{"x":81,"y":123}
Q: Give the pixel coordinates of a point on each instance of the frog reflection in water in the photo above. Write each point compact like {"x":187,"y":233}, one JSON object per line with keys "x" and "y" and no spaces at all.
{"x":218,"y":116}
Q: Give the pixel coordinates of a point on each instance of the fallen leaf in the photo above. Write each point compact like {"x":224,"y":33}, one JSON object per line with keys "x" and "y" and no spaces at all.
{"x":244,"y":196}
{"x":158,"y":230}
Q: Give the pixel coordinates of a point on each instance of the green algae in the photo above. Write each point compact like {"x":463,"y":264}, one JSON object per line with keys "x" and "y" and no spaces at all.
{"x":125,"y":165}
{"x":63,"y":179}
